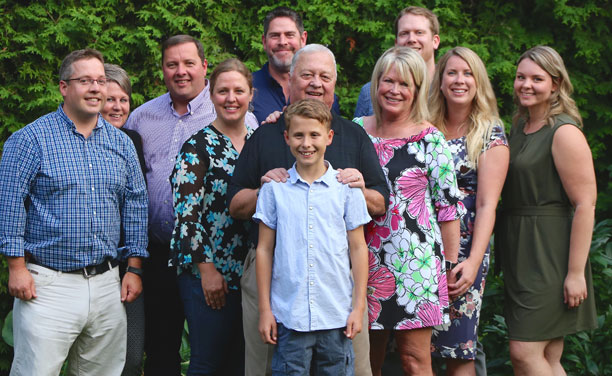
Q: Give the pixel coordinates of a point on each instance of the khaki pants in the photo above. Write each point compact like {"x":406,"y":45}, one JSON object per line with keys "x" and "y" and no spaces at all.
{"x":72,"y":317}
{"x":258,"y":355}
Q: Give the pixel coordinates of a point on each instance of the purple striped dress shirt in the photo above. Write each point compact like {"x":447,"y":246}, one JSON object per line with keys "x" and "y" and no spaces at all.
{"x":163,"y":133}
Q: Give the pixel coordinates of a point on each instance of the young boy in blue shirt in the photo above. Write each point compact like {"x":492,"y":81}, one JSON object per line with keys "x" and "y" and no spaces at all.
{"x":309,"y":226}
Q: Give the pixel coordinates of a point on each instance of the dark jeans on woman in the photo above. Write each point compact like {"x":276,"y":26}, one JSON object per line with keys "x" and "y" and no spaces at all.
{"x":164,"y":318}
{"x":216,"y":338}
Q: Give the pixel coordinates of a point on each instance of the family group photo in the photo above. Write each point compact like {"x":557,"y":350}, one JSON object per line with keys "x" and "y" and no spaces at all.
{"x":326,"y":187}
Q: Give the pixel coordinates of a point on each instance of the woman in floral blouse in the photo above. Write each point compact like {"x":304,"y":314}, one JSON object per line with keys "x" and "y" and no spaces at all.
{"x":463,"y":107}
{"x":410,"y":243}
{"x":208,"y":246}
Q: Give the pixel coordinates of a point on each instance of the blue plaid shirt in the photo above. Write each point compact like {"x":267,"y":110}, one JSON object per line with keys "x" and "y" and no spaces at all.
{"x":64,"y":197}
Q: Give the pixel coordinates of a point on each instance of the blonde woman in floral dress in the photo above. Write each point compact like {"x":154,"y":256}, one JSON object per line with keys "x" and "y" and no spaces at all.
{"x":464,"y":108}
{"x":407,"y":288}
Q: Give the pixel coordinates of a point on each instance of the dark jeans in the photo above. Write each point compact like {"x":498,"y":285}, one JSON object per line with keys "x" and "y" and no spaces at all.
{"x":216,"y":338}
{"x":164,"y":317}
{"x":321,"y":353}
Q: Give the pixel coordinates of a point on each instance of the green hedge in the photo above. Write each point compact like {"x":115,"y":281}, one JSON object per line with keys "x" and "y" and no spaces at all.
{"x":35,"y":36}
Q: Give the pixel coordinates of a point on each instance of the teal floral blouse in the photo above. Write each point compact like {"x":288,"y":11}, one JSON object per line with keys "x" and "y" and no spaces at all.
{"x":203,"y":228}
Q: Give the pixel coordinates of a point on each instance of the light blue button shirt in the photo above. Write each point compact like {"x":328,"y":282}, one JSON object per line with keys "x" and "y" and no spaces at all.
{"x":311,"y":278}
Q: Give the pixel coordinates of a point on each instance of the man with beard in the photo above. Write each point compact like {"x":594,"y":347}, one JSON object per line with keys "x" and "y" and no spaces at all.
{"x":417,"y":28}
{"x":283,"y":35}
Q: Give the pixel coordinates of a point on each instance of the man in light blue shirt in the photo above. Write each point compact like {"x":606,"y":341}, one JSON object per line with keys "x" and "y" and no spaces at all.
{"x":311,"y":232}
{"x":69,"y":183}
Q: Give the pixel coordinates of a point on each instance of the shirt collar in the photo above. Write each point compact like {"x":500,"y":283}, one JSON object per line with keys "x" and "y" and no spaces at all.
{"x":195,"y":104}
{"x":266,"y":72}
{"x":70,"y":124}
{"x":327,"y":178}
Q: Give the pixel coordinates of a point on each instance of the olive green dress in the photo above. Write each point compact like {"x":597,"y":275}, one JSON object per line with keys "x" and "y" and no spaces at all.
{"x":532,"y":241}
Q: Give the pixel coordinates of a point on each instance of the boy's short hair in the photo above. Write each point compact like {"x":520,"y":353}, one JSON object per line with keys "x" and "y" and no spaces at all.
{"x":309,"y":109}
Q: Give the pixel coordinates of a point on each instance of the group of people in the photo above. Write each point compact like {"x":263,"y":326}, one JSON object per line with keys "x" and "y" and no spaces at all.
{"x":292,"y":240}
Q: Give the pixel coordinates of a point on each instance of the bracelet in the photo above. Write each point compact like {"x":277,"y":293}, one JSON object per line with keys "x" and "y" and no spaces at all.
{"x":450,"y":265}
{"x":131,"y":269}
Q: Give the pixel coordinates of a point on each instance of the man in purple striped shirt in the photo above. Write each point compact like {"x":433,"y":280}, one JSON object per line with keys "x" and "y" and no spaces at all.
{"x":164,"y":124}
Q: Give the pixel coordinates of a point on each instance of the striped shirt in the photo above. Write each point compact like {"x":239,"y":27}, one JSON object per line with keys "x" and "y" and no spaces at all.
{"x":64,"y":197}
{"x":163,"y":133}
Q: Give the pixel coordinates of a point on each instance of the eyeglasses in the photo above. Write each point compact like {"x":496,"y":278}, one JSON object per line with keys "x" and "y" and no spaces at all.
{"x":86,"y":81}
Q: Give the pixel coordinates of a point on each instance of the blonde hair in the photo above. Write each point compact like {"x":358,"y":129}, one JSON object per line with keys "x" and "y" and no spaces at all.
{"x":483,"y":115}
{"x":309,"y":109}
{"x":560,"y":100}
{"x":434,"y":25}
{"x":411,"y":67}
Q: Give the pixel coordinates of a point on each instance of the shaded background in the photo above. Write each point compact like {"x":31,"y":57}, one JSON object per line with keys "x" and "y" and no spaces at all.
{"x":35,"y":37}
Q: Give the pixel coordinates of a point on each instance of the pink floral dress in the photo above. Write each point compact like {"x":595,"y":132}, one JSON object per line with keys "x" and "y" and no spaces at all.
{"x":407,"y":286}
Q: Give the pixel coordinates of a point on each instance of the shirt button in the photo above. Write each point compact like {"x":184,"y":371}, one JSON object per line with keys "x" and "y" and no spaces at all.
{"x":94,"y":213}
{"x":165,"y":201}
{"x":311,"y":265}
{"x":168,"y":180}
{"x":310,"y":227}
{"x":310,"y":208}
{"x":310,"y":246}
{"x":176,"y":140}
{"x":90,"y":165}
{"x":312,"y":302}
{"x":166,"y":222}
{"x":311,"y":283}
{"x":180,"y":121}
{"x":95,"y":237}
{"x":93,"y":189}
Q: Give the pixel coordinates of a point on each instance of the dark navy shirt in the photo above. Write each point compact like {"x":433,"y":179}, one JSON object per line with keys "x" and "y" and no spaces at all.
{"x":267,"y":149}
{"x":269,"y":96}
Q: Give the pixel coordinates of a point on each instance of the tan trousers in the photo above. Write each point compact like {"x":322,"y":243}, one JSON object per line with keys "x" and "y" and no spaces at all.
{"x":72,"y":317}
{"x":258,"y":355}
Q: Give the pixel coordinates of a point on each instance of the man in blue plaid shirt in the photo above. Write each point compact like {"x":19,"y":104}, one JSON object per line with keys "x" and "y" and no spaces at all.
{"x":69,"y":184}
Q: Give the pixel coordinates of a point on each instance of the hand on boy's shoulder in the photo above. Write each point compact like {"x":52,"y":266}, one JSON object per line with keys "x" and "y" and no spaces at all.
{"x":352,"y":177}
{"x":277,"y":174}
{"x":273,"y":117}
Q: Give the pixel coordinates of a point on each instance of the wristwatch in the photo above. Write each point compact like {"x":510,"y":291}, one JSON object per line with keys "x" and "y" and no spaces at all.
{"x":139,"y":272}
{"x":450,"y":265}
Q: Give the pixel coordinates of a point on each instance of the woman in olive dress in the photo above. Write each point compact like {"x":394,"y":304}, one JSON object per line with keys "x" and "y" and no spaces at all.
{"x":547,"y":220}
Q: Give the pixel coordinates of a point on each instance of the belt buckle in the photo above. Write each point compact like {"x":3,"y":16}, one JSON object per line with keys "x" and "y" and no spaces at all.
{"x":87,"y":275}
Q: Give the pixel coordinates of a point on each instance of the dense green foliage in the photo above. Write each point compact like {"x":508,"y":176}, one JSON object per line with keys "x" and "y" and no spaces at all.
{"x":35,"y":36}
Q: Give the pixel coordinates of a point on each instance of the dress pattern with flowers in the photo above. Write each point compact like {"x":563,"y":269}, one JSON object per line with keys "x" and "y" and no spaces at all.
{"x":203,"y":229}
{"x":407,"y":278}
{"x":458,"y":339}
